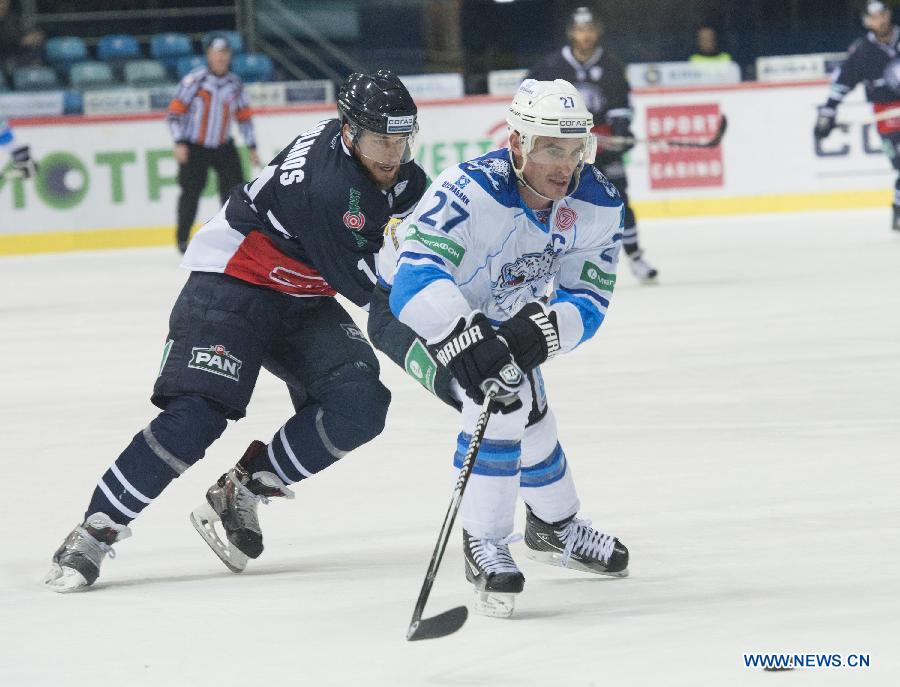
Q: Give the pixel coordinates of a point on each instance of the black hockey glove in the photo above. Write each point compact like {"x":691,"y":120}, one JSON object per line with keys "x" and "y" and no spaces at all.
{"x":824,"y":122}
{"x":21,"y":160}
{"x":476,"y":358}
{"x":532,"y":336}
{"x":621,"y":128}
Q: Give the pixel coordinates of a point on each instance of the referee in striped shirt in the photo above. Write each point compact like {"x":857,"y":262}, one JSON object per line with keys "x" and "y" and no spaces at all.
{"x":200,"y":120}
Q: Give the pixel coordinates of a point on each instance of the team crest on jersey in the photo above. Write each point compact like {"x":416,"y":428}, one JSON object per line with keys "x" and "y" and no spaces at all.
{"x":354,"y":219}
{"x":525,"y":279}
{"x":565,"y":218}
{"x":493,"y":168}
{"x":607,"y":185}
{"x":216,"y":360}
{"x":353,"y":332}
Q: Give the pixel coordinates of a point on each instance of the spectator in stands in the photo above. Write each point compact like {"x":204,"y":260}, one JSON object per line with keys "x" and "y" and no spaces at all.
{"x":600,"y":78}
{"x":708,"y":47}
{"x":200,"y":121}
{"x":19,"y":46}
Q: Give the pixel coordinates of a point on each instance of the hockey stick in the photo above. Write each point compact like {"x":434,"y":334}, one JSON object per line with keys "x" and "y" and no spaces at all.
{"x":892,"y":113}
{"x":617,"y":142}
{"x":450,"y":621}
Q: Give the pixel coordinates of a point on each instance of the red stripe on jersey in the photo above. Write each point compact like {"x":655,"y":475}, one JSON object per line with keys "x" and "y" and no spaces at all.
{"x":258,"y":261}
{"x":887,"y":126}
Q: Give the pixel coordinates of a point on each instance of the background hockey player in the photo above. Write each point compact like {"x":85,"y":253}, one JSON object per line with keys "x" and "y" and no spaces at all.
{"x":526,"y":238}
{"x":600,"y":78}
{"x":874,"y":61}
{"x":260,"y":294}
{"x":20,"y":154}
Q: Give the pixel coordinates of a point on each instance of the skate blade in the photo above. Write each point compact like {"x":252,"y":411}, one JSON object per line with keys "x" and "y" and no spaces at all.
{"x":64,"y":580}
{"x":555,"y":559}
{"x":204,"y":519}
{"x":494,"y":605}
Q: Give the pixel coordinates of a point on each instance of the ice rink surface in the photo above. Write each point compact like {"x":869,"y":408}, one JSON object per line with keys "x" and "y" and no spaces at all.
{"x":737,"y":426}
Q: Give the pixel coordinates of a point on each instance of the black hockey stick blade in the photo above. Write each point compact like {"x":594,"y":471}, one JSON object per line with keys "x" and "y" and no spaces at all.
{"x":711,"y":143}
{"x":441,"y":625}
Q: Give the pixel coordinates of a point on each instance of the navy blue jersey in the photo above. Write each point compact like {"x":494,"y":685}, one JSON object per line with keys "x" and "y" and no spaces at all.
{"x":310,"y":223}
{"x":869,"y":62}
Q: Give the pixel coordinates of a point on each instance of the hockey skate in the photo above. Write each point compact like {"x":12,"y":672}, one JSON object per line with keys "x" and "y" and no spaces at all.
{"x":895,"y":224}
{"x":497,"y":579}
{"x":573,"y":543}
{"x":643,"y":270}
{"x":232,"y":501}
{"x":76,"y":564}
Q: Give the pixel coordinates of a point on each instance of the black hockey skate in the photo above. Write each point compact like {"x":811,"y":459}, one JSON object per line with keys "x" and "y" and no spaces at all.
{"x":232,"y":501}
{"x":76,"y":564}
{"x":497,"y":578}
{"x":643,"y":270}
{"x":895,"y":224}
{"x":573,"y":543}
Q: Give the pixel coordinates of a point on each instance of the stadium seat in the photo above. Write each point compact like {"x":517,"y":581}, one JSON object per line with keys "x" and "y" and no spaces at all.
{"x":168,"y":48}
{"x":73,"y":102}
{"x":118,"y":48}
{"x":252,"y":66}
{"x":91,"y":75}
{"x":64,"y":51}
{"x":233,"y":37}
{"x":189,"y":63}
{"x":35,"y":79}
{"x":146,"y":73}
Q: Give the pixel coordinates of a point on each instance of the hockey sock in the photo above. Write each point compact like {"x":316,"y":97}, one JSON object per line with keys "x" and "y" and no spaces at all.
{"x":175,"y":440}
{"x":489,"y":505}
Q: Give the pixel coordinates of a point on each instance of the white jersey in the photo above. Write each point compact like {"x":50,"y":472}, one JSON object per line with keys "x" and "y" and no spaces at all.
{"x":472,"y":244}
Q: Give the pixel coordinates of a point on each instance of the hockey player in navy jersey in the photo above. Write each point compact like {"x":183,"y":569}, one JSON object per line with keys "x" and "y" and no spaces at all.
{"x":264,"y":273}
{"x":875,"y":62}
{"x":508,"y":260}
{"x":600,"y":78}
{"x":20,"y":154}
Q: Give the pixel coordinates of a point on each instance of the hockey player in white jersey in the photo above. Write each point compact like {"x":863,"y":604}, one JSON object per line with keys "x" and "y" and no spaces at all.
{"x":511,"y":257}
{"x":20,"y":154}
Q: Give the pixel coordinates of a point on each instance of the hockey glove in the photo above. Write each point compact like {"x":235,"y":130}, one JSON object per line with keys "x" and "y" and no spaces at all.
{"x":476,"y":358}
{"x":621,"y":128}
{"x":824,"y":122}
{"x":21,"y":160}
{"x":532,"y":336}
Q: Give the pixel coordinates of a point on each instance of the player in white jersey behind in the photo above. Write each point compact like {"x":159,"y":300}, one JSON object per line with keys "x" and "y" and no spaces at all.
{"x":21,"y":161}
{"x":511,"y":257}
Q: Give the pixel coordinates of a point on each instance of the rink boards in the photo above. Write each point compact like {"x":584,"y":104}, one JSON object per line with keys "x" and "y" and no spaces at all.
{"x":107,"y":182}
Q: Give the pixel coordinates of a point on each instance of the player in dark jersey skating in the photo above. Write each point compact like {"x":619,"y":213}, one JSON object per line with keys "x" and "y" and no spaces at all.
{"x":875,"y":62}
{"x":600,"y":78}
{"x":264,"y":273}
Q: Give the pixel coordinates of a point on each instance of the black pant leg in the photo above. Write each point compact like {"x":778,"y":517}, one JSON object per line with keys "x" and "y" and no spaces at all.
{"x":227,"y":163}
{"x":192,"y":178}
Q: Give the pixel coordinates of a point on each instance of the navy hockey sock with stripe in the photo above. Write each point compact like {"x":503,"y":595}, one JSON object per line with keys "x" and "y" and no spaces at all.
{"x":175,"y":440}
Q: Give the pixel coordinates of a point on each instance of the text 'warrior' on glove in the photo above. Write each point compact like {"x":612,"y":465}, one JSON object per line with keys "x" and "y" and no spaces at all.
{"x":532,"y":336}
{"x":477,"y":358}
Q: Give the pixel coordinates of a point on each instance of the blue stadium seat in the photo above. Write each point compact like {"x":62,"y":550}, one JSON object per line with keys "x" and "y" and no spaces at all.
{"x":189,"y":63}
{"x":168,"y":48}
{"x":91,"y":75}
{"x":252,"y":66}
{"x":73,"y":103}
{"x":233,"y":37}
{"x":141,"y":73}
{"x":35,"y":79}
{"x":64,"y":51}
{"x":117,"y":48}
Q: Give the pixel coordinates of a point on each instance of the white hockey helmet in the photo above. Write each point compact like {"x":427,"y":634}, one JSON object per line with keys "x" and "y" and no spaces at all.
{"x":554,"y":109}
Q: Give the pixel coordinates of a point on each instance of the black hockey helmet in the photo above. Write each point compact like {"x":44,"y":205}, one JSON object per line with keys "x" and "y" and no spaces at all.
{"x":377,"y":102}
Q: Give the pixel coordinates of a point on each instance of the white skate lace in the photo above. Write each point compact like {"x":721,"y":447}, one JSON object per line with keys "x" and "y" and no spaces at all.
{"x":492,"y":555}
{"x":580,"y":537}
{"x":85,"y":544}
